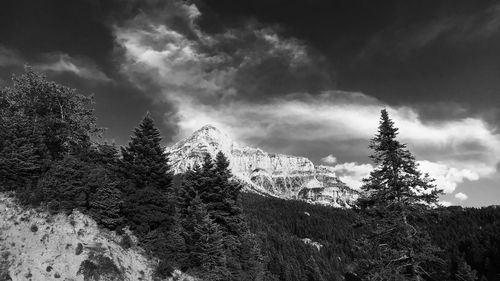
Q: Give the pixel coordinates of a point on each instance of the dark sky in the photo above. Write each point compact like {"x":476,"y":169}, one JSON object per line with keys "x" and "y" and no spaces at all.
{"x":299,"y":77}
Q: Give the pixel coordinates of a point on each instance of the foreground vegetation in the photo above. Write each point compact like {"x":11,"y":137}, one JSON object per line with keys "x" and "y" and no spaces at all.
{"x":52,"y":155}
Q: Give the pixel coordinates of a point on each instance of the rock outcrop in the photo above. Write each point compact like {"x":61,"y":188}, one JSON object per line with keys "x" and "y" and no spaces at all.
{"x":284,"y":176}
{"x":36,"y":245}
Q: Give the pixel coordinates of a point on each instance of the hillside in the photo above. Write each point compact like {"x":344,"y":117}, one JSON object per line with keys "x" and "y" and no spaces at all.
{"x":472,"y":234}
{"x":36,"y":245}
{"x":290,"y":231}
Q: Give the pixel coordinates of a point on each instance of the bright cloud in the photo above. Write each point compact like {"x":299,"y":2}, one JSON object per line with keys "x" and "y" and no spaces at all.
{"x":352,"y":173}
{"x":461,"y":196}
{"x":330,"y":159}
{"x":60,"y":62}
{"x":179,"y":68}
{"x":447,"y":177}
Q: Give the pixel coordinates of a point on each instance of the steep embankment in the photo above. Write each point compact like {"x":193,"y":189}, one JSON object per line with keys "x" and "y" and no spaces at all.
{"x":35,"y":245}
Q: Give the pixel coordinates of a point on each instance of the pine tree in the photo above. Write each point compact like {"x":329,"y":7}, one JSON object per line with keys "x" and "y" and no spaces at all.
{"x":20,"y":162}
{"x":144,"y":161}
{"x":63,"y":186}
{"x":221,"y":194}
{"x":231,"y":188}
{"x":106,"y":206}
{"x":105,"y":199}
{"x":188,"y":190}
{"x":396,"y":193}
{"x":148,"y":202}
{"x":206,"y":248}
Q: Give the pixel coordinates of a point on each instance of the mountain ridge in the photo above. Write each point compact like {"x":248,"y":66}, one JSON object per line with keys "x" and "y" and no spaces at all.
{"x":279,"y":175}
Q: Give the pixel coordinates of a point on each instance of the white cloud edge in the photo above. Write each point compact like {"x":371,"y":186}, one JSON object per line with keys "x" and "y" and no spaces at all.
{"x":57,"y":62}
{"x":329,"y":159}
{"x":461,"y":196}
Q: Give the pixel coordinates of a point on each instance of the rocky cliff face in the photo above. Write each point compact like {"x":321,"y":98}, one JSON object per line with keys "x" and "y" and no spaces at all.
{"x":284,"y":176}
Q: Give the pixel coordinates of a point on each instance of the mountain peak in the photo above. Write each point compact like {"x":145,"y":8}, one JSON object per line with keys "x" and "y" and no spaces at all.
{"x":207,"y":139}
{"x":208,"y":127}
{"x":212,"y":134}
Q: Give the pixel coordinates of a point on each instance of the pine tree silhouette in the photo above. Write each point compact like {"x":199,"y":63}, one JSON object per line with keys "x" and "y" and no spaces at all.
{"x":396,"y":193}
{"x":149,"y":199}
{"x":145,"y":161}
{"x":206,"y":250}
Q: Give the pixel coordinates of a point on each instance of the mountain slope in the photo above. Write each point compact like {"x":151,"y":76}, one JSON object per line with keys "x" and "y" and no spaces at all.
{"x":279,"y":175}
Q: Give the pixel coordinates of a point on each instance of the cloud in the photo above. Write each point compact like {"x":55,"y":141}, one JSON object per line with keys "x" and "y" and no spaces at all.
{"x":265,"y":89}
{"x":448,"y":177}
{"x":246,"y":61}
{"x":55,"y":63}
{"x":330,"y":159}
{"x":352,"y":173}
{"x":461,"y":196}
{"x":159,"y":55}
{"x":60,"y":63}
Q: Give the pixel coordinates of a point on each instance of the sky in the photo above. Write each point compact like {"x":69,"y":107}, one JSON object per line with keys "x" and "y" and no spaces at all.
{"x":306,"y":78}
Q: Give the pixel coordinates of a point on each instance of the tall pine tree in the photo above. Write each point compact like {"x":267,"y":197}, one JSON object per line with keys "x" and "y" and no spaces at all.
{"x":145,"y":161}
{"x":396,"y":194}
{"x":206,"y":248}
{"x":148,"y":202}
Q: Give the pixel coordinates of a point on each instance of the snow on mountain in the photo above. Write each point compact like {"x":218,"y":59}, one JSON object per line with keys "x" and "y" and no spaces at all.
{"x":283,"y":176}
